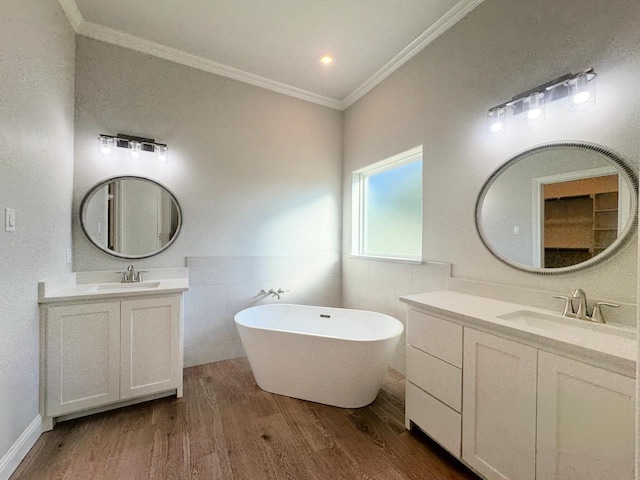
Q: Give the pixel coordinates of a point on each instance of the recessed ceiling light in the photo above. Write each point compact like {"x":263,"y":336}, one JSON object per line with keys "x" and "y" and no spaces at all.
{"x":326,"y":59}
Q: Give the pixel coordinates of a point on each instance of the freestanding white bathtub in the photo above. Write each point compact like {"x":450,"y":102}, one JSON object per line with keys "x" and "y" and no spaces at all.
{"x":333,"y":356}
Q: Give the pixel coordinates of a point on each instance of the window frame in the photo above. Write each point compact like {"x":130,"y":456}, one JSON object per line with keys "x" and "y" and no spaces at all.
{"x":358,"y":203}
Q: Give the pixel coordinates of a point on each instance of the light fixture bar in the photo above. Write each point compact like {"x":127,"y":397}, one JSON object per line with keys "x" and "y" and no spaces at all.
{"x":133,"y":143}
{"x":579,"y":88}
{"x":563,"y":81}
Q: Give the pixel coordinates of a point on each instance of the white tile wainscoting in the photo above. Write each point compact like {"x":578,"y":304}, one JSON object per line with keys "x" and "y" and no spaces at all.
{"x":370,"y":284}
{"x":222,"y":286}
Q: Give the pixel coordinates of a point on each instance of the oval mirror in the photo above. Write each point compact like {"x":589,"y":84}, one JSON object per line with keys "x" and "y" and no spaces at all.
{"x":557,"y":208}
{"x":130,"y":217}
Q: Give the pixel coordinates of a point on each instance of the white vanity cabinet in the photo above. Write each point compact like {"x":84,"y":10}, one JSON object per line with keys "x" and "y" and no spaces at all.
{"x":514,"y":405}
{"x":98,"y":353}
{"x":434,"y":378}
{"x":499,"y":407}
{"x":586,"y":426}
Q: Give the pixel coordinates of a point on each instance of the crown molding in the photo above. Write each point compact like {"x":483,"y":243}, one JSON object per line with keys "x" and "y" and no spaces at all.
{"x":448,"y":20}
{"x":132,"y":42}
{"x":72,"y":11}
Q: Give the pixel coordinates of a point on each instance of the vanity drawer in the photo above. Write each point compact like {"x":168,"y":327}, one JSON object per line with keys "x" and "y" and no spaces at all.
{"x":434,"y":418}
{"x":438,"y":378}
{"x":438,"y":337}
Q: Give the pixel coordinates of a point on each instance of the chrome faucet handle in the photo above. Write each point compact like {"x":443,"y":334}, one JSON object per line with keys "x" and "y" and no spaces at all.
{"x":273,"y":293}
{"x":125,"y":276}
{"x":568,"y":306}
{"x":138,"y":277}
{"x":281,"y":291}
{"x":262,"y":292}
{"x":596,"y":316}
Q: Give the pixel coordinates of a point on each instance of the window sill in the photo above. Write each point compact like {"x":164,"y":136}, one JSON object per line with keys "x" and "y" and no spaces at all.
{"x":410,"y":261}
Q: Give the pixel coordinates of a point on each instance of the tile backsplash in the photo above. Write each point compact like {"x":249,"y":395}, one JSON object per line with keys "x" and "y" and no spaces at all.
{"x":222,"y":286}
{"x":377,"y":285}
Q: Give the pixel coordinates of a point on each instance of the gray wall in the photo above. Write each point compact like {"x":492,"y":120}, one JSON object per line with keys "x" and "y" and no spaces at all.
{"x":440,"y":99}
{"x":256,"y":172}
{"x":36,"y":173}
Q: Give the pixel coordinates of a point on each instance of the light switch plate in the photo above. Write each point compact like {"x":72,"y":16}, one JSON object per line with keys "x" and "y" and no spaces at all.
{"x":9,"y":219}
{"x":68,"y":255}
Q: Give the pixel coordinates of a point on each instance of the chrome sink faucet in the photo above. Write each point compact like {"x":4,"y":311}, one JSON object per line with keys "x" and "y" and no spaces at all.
{"x":129,"y":275}
{"x":582,"y":313}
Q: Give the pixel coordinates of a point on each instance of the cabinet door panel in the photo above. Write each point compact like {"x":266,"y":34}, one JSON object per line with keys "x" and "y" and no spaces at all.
{"x":151,"y":359}
{"x":585,"y":421}
{"x":499,"y":407}
{"x":83,"y":357}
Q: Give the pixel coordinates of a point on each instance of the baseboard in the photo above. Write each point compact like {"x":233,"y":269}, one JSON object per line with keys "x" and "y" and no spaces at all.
{"x":20,"y":448}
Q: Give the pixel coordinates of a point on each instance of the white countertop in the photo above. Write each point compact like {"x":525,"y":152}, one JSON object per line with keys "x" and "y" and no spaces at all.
{"x":598,"y":344}
{"x":99,"y":285}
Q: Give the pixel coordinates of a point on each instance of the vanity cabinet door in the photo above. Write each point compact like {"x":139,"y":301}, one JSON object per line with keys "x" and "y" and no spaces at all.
{"x":151,"y":356}
{"x":82,"y":357}
{"x":585,"y":421}
{"x":499,"y":407}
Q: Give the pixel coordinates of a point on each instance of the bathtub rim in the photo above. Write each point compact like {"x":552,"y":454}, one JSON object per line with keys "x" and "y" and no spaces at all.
{"x":383,"y":338}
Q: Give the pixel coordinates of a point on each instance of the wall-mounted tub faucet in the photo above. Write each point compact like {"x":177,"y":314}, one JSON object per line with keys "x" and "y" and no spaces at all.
{"x":274,"y":293}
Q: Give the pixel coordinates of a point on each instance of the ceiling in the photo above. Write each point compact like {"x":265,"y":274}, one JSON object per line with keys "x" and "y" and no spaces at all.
{"x":275,"y":44}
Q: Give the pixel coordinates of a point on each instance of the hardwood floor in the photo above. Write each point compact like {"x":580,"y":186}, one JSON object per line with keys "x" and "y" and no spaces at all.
{"x":225,"y":427}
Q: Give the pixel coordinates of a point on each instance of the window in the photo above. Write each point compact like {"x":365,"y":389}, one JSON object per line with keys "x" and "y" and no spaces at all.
{"x":387,"y":208}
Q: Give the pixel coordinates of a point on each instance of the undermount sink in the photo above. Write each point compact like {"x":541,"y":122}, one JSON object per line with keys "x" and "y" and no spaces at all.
{"x":123,"y":286}
{"x":565,"y":325}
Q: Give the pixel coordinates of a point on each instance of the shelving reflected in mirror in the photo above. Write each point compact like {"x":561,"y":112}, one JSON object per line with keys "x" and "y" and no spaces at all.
{"x":557,"y":208}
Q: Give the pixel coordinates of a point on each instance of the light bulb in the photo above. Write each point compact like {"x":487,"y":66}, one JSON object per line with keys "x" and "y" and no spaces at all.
{"x":582,"y":91}
{"x":136,"y":148}
{"x":496,"y":120}
{"x":106,"y":145}
{"x":326,"y":59}
{"x":534,"y":114}
{"x":581,"y":97}
{"x":534,"y":106}
{"x":162,"y":153}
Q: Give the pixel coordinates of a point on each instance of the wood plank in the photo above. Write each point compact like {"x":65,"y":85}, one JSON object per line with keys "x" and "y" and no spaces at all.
{"x":226,"y":428}
{"x":389,"y":474}
{"x":359,"y":442}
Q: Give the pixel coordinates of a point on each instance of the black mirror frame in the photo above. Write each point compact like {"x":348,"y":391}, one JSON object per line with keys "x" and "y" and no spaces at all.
{"x":101,"y":184}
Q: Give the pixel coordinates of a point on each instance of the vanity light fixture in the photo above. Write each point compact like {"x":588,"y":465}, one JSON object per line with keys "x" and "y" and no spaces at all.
{"x":136,"y":146}
{"x":579,"y":88}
